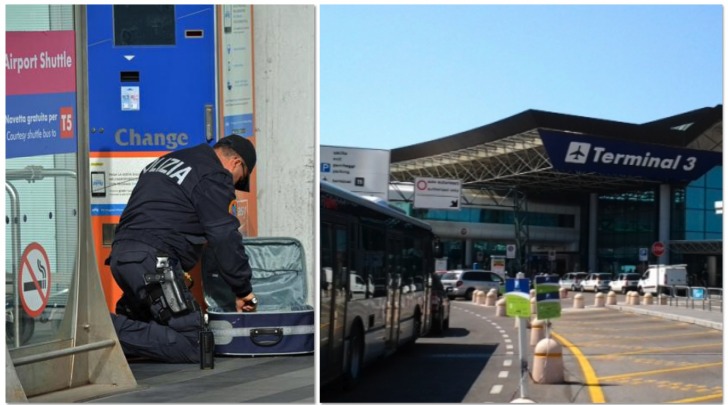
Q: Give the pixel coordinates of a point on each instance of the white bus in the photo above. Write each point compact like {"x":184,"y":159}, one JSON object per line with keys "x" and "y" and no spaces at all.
{"x":376,"y":269}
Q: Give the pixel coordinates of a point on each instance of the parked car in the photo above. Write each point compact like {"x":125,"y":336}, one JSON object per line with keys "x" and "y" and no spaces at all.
{"x":572,"y":280}
{"x":596,"y":282}
{"x":625,"y":282}
{"x":440,"y":307}
{"x":463,"y":283}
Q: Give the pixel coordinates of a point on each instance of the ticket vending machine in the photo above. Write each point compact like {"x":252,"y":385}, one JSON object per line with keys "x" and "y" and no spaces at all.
{"x":151,"y":72}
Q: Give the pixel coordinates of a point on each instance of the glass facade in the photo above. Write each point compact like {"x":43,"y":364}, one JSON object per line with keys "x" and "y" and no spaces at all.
{"x":694,"y":208}
{"x":41,"y":183}
{"x":626,"y":222}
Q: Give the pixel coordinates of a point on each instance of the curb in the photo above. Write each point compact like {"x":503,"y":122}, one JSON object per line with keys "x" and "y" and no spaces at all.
{"x":681,"y":318}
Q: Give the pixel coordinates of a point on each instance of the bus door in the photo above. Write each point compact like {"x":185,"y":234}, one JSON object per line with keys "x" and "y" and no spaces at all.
{"x":394,"y":292}
{"x":334,"y":265}
{"x":151,"y":73}
{"x":394,"y":295}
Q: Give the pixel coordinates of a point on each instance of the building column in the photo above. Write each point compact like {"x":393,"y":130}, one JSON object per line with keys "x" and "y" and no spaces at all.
{"x":468,"y":253}
{"x":663,"y":222}
{"x":593,"y":206}
{"x":712,"y":263}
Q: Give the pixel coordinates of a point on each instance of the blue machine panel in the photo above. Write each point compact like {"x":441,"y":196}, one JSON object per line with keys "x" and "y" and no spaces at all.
{"x":147,"y":90}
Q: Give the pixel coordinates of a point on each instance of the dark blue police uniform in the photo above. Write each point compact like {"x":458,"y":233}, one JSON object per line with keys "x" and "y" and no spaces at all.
{"x":179,"y":204}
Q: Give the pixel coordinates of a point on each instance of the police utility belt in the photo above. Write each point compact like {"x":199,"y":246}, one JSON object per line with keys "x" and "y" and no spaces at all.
{"x":166,"y":291}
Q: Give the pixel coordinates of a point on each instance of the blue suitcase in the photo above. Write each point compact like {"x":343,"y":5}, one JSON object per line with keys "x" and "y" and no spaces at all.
{"x":284,"y":321}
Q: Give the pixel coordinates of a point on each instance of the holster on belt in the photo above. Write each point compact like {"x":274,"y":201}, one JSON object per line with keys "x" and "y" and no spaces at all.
{"x":166,"y":290}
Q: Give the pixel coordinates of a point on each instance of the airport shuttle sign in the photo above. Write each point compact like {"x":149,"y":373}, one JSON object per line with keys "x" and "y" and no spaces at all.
{"x":589,"y":154}
{"x":440,"y":194}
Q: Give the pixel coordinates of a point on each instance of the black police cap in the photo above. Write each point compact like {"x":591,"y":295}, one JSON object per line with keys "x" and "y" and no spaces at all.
{"x":246,"y":150}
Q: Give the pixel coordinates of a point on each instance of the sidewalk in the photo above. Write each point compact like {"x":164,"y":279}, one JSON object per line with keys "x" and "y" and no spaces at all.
{"x":709,"y":319}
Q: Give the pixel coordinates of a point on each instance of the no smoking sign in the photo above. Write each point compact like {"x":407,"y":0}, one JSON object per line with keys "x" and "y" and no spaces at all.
{"x":34,"y":283}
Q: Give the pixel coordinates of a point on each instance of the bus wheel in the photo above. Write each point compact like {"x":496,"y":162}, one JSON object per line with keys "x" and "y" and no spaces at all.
{"x":439,"y":326}
{"x":354,"y":357}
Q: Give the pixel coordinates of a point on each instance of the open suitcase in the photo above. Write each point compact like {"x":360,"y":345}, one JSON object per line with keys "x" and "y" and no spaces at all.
{"x":284,"y":321}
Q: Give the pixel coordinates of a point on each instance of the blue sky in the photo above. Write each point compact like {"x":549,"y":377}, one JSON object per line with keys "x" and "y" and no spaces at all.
{"x":393,"y":76}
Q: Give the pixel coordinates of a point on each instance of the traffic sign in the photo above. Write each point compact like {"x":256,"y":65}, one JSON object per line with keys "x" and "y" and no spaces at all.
{"x":548,"y":301}
{"x":34,"y":279}
{"x":643,"y":254}
{"x":658,"y":248}
{"x":510,"y":251}
{"x":518,"y":301}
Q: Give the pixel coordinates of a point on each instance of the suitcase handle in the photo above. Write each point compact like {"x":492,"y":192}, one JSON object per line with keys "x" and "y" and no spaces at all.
{"x":267,"y":336}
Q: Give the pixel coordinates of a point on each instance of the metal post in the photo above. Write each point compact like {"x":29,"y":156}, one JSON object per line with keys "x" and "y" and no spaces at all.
{"x":521,"y":355}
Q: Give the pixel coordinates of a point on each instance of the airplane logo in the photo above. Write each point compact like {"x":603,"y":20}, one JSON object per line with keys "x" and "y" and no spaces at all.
{"x":578,"y":152}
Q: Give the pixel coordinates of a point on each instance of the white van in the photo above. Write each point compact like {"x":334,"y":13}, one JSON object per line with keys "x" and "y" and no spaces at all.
{"x":663,"y":277}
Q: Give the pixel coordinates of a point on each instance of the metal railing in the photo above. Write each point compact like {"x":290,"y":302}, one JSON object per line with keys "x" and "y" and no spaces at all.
{"x":709,"y":298}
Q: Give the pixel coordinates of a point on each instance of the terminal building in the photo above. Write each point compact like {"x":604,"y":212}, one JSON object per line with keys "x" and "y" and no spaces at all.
{"x":574,"y":193}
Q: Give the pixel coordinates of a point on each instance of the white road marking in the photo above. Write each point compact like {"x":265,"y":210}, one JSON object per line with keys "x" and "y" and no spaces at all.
{"x":496,"y":389}
{"x":507,"y":363}
{"x":503,"y":374}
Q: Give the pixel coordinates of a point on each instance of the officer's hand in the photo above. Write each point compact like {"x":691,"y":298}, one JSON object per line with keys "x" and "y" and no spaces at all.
{"x":246,"y":304}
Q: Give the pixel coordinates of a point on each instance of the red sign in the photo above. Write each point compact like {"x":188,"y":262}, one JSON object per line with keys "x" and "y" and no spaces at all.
{"x":658,"y":248}
{"x":40,"y":62}
{"x":34,"y":279}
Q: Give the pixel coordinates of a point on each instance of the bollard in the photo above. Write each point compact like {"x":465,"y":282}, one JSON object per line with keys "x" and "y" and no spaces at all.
{"x":662,"y":299}
{"x":548,"y":364}
{"x":523,"y":400}
{"x":563,"y":293}
{"x":630,"y":297}
{"x":500,"y":307}
{"x":533,"y":307}
{"x":578,"y":301}
{"x":474,"y":296}
{"x":636,"y":298}
{"x":532,"y":293}
{"x":480,"y":297}
{"x":612,"y":298}
{"x":647,"y":299}
{"x":537,"y":331}
{"x":599,"y":300}
{"x":491,"y":297}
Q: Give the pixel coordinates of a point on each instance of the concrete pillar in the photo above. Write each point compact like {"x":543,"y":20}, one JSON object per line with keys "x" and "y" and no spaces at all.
{"x":468,"y":253}
{"x":712,"y":271}
{"x":599,"y":300}
{"x":593,"y":207}
{"x":285,"y":65}
{"x":579,"y":301}
{"x":663,"y":222}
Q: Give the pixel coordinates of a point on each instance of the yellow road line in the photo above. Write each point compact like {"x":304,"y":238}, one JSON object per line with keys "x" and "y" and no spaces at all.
{"x":661,"y":371}
{"x":664,"y":349}
{"x":592,"y":381}
{"x":697,"y":399}
{"x":653,"y":338}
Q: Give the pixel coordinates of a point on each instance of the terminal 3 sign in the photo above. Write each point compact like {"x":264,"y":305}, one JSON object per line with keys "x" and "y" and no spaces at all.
{"x":576,"y":153}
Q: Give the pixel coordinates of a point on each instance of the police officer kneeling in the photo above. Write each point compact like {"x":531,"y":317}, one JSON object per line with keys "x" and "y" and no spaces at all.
{"x":180,"y":203}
